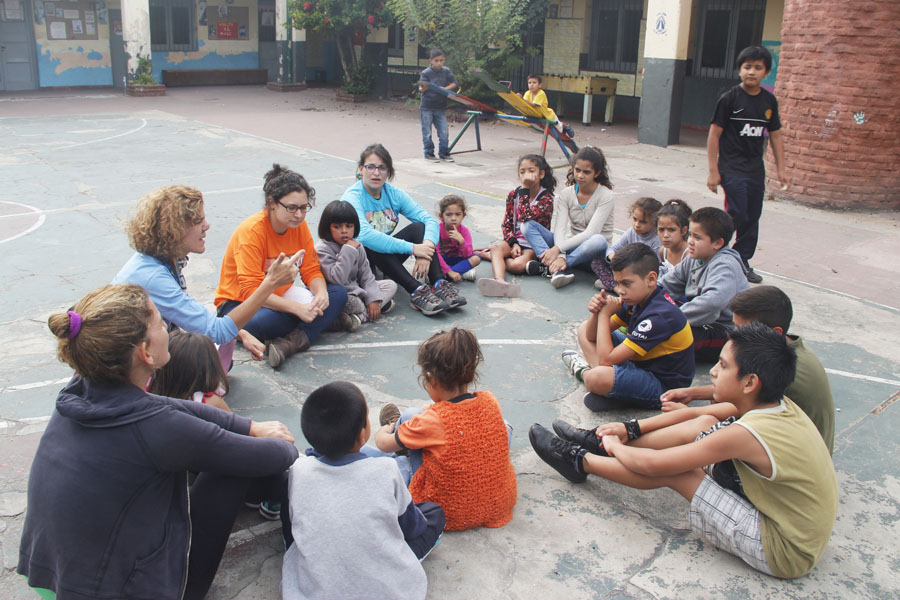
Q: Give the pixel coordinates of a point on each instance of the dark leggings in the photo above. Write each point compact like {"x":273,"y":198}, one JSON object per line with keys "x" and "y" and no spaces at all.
{"x":215,"y":502}
{"x":708,"y":341}
{"x":392,"y":264}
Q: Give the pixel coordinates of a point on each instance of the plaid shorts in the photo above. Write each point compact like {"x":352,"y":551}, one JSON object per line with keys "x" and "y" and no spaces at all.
{"x":728,"y":522}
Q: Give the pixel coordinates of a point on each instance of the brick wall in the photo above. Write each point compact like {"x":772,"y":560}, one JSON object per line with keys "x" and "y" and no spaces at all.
{"x":838,"y":90}
{"x":562,"y":45}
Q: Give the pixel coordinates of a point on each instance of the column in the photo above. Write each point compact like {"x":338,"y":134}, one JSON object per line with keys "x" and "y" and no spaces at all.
{"x":136,"y":31}
{"x":283,"y":41}
{"x":665,"y":57}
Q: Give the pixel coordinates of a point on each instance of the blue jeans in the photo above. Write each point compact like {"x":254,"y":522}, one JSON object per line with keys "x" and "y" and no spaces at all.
{"x":581,"y":256}
{"x":632,"y":384}
{"x":744,"y":202}
{"x":439,"y":118}
{"x":268,"y":324}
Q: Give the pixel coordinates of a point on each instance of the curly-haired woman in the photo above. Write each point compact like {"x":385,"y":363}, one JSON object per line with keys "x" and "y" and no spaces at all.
{"x":170,"y":223}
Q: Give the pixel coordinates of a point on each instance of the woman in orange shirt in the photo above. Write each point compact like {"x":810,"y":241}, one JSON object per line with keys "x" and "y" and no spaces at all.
{"x":291,"y":318}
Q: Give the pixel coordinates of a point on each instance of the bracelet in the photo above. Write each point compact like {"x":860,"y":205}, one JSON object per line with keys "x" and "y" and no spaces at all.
{"x":632,"y":428}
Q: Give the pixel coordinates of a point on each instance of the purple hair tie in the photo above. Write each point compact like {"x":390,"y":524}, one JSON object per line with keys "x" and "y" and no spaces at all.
{"x":74,"y":324}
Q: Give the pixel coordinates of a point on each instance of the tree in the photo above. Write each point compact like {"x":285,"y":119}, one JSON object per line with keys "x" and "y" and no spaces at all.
{"x":345,"y":21}
{"x":473,"y":33}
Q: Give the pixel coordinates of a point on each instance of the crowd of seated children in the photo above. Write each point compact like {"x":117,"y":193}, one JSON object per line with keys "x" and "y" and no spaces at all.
{"x":643,"y":229}
{"x":655,"y":355}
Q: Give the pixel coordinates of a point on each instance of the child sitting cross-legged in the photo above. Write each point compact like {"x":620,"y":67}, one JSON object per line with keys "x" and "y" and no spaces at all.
{"x":355,"y":531}
{"x":621,"y":370}
{"x":759,"y":479}
{"x":344,"y":262}
{"x":458,"y":446}
{"x":458,"y":260}
{"x":705,"y":283}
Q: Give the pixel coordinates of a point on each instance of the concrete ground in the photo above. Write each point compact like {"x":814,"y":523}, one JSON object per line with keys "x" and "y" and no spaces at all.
{"x":72,"y":166}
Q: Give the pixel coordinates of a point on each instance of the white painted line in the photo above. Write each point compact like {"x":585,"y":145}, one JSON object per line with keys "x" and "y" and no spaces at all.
{"x":825,"y":289}
{"x":41,"y":218}
{"x":112,"y":137}
{"x":28,"y":421}
{"x":863,"y":377}
{"x":36,"y":384}
{"x":375,"y":345}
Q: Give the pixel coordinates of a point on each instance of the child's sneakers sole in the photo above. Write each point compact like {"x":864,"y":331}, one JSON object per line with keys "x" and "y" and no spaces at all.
{"x":561,"y":279}
{"x":496,"y":288}
{"x":390,"y":413}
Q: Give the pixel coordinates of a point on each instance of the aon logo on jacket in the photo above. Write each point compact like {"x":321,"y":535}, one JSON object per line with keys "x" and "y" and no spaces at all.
{"x":750,"y":130}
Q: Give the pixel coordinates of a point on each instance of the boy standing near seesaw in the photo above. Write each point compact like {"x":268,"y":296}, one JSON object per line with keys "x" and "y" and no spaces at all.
{"x":777,"y":504}
{"x":736,"y":147}
{"x":433,"y":106}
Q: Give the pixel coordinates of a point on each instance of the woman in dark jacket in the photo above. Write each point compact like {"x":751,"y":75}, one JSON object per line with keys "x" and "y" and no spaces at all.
{"x":110,"y":512}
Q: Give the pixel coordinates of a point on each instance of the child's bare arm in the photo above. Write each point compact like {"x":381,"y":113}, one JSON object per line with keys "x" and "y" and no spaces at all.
{"x":385,"y":440}
{"x":721,"y":411}
{"x":778,"y":151}
{"x":712,"y":157}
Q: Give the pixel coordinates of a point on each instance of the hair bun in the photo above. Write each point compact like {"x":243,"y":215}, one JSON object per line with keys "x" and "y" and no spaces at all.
{"x":274,"y":172}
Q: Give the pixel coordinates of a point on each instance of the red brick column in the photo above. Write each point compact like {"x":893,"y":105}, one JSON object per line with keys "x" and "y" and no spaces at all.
{"x":838,"y":89}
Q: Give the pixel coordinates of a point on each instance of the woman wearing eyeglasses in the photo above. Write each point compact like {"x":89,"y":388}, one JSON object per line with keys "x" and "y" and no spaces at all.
{"x":379,"y":206}
{"x":288,"y":322}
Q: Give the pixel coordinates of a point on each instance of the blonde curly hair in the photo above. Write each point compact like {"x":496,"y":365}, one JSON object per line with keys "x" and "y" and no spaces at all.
{"x":162,"y":216}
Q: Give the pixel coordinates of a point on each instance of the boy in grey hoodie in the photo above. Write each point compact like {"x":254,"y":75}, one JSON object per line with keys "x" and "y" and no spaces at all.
{"x":705,"y":283}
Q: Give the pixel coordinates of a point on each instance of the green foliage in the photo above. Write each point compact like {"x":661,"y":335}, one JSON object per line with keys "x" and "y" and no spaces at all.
{"x":143,"y":75}
{"x":360,"y":80}
{"x":473,"y":33}
{"x":338,"y":16}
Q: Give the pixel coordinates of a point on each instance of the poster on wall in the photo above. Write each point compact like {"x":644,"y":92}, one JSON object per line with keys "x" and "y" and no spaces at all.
{"x":57,"y":30}
{"x":13,"y":10}
{"x":226,"y":30}
{"x":71,"y":20}
{"x":228,"y":22}
{"x":90,"y":29}
{"x":39,"y":12}
{"x":77,"y":29}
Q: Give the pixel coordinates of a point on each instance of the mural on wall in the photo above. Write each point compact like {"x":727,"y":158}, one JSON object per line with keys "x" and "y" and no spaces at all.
{"x":775,"y":49}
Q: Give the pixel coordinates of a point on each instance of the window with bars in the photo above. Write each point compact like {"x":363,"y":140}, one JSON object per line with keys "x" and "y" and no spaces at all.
{"x":395,"y":39}
{"x":172,"y":26}
{"x":615,"y":35}
{"x":725,"y":28}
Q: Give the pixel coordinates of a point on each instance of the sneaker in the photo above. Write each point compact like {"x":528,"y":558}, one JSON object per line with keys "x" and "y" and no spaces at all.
{"x":753,"y":276}
{"x":389,"y":414}
{"x":569,"y":131}
{"x":575,"y":363}
{"x":586,"y":438}
{"x":425,"y":301}
{"x":355,"y":323}
{"x":536,"y":267}
{"x":347,"y":322}
{"x":447,"y":292}
{"x":598,"y":403}
{"x":496,"y":288}
{"x":270,"y":510}
{"x":447,"y":158}
{"x":564,"y":456}
{"x":388,"y":306}
{"x":561,"y":279}
{"x":437,"y":543}
{"x":431,"y":158}
{"x":470,"y":275}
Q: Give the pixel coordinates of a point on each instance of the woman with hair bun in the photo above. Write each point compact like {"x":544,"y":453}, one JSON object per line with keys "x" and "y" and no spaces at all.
{"x":110,"y":512}
{"x":291,"y":320}
{"x":170,"y":223}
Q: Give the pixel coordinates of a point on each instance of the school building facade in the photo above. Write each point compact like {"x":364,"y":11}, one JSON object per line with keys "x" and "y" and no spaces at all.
{"x":835,"y":64}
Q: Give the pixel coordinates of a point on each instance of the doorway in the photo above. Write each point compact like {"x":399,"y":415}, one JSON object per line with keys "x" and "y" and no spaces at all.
{"x":117,"y":57}
{"x":268,"y":50}
{"x":18,"y":56}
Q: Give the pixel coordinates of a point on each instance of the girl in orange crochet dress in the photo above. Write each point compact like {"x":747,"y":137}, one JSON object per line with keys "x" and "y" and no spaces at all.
{"x":458,"y":446}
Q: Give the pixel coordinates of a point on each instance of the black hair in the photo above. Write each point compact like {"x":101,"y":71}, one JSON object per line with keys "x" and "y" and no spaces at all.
{"x":649,"y":206}
{"x":641,"y":258}
{"x":761,"y":351}
{"x":534,"y":76}
{"x":281,"y":181}
{"x":382,"y":153}
{"x":332,"y":417}
{"x":450,"y":200}
{"x":194,"y":366}
{"x":598,"y":163}
{"x":548,"y":181}
{"x":435,"y":52}
{"x":751,"y":53}
{"x":766,"y":304}
{"x":716,"y":223}
{"x":678,"y":210}
{"x":337,"y":211}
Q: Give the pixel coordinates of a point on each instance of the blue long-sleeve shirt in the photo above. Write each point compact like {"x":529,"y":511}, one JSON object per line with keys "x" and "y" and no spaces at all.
{"x":378,"y":218}
{"x":173,"y":303}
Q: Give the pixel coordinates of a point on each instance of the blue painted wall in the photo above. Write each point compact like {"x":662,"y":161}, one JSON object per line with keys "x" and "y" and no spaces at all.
{"x":84,"y":74}
{"x":243,"y":60}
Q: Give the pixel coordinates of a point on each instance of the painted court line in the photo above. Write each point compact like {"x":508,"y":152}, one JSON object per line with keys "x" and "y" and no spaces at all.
{"x":374,"y":345}
{"x":112,"y":137}
{"x":33,"y":211}
{"x":863,"y":377}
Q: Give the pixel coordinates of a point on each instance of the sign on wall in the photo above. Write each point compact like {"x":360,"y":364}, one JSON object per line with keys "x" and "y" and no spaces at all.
{"x":228,"y":22}
{"x":71,"y":20}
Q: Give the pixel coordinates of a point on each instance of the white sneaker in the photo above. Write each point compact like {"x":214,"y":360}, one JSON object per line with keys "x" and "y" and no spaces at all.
{"x":470,"y":275}
{"x":574,"y":362}
{"x":561,"y":279}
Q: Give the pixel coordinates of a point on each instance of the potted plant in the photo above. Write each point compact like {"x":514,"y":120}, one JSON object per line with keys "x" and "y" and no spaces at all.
{"x":142,"y":82}
{"x":358,"y":84}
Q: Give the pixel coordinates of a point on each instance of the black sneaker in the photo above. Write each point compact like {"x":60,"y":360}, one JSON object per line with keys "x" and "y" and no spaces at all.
{"x":586,"y":438}
{"x":447,"y":158}
{"x":388,"y":306}
{"x":446,"y":291}
{"x":426,"y":301}
{"x":560,"y":454}
{"x":753,"y":276}
{"x":431,"y":158}
{"x":598,"y":403}
{"x":536,"y":267}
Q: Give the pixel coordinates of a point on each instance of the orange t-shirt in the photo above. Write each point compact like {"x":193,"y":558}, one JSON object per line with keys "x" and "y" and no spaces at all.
{"x":465,"y":461}
{"x":254,"y":245}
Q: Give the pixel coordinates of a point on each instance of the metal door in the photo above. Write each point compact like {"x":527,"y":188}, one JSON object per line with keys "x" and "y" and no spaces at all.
{"x":17,"y":49}
{"x":268,"y":50}
{"x":117,"y":56}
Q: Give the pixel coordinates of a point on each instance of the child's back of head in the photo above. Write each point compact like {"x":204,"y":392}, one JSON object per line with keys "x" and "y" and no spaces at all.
{"x":194,"y":366}
{"x":450,"y":358}
{"x":333,"y":417}
{"x":766,"y":304}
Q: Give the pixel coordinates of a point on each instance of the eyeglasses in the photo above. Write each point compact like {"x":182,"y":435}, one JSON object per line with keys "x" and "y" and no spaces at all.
{"x":372,"y":168}
{"x":293,"y":208}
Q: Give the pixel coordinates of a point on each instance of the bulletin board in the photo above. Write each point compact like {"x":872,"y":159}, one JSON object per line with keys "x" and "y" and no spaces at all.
{"x":228,"y":22}
{"x":68,"y":20}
